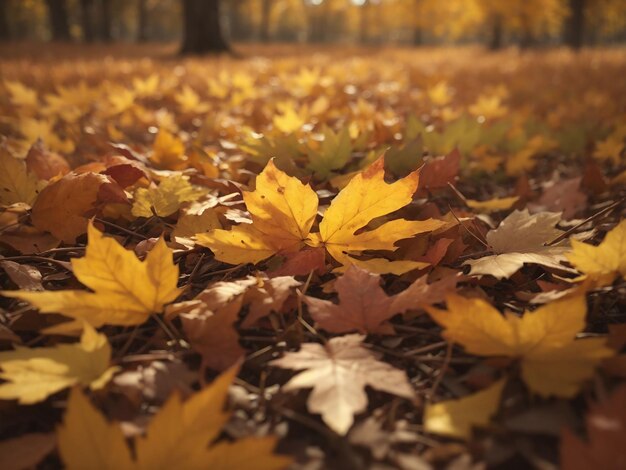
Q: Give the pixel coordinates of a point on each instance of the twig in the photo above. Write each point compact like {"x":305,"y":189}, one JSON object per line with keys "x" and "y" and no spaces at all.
{"x":121,"y":229}
{"x":468,"y":230}
{"x":442,"y":371}
{"x":567,"y":233}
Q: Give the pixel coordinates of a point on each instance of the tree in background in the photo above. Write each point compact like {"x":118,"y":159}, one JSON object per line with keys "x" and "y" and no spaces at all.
{"x":59,"y":24}
{"x":202,"y":28}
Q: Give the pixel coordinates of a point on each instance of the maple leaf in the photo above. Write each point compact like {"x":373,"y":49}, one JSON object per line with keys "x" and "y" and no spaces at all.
{"x":552,"y":361}
{"x":166,"y":198}
{"x":21,"y":95}
{"x":521,"y":238}
{"x":33,"y":375}
{"x":17,"y":184}
{"x":177,"y":437}
{"x":366,"y":197}
{"x":73,"y":199}
{"x":606,"y":431}
{"x":364,"y":307}
{"x":126,"y":290}
{"x":338,"y":372}
{"x":605,"y":261}
{"x":333,"y":153}
{"x":282,"y":210}
{"x":168,"y":151}
{"x":456,"y":418}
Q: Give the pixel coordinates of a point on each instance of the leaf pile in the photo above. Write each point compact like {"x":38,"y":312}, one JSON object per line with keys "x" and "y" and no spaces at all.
{"x":409,"y":261}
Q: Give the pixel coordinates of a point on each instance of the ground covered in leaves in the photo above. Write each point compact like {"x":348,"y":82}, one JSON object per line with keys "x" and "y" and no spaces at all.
{"x":313,"y":259}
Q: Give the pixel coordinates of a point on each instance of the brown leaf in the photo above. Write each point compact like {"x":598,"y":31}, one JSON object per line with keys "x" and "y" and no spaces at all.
{"x":437,"y":173}
{"x":25,"y":451}
{"x":365,"y":307}
{"x":564,"y":196}
{"x":606,"y":435}
{"x":24,"y":276}
{"x":72,"y":199}
{"x":44,"y":163}
{"x":301,"y":263}
{"x":29,"y":240}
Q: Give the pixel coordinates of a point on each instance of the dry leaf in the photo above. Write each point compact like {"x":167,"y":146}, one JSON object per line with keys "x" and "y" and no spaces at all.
{"x":338,"y":373}
{"x":25,"y":451}
{"x":553,"y":362}
{"x":457,"y":418}
{"x":521,"y":238}
{"x":33,"y":375}
{"x":126,"y":290}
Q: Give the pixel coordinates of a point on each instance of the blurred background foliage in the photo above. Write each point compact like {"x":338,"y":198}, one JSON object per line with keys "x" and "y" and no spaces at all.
{"x":495,"y":23}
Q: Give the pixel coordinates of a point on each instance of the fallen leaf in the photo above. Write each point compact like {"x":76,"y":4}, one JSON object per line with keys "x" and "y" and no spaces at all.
{"x":166,"y":198}
{"x":73,"y":200}
{"x":282,"y":210}
{"x":25,"y":451}
{"x":366,"y":197}
{"x":338,"y":373}
{"x":45,"y":164}
{"x":492,"y":205}
{"x":126,"y":290}
{"x":24,"y":276}
{"x":552,"y":361}
{"x":606,"y":434}
{"x":32,"y":375}
{"x":457,"y":418}
{"x":602,"y":263}
{"x":178,"y":436}
{"x":519,"y":239}
{"x":17,"y":183}
{"x":364,"y":306}
{"x":168,"y":151}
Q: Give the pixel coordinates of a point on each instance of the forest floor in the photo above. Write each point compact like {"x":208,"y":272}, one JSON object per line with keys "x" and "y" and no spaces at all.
{"x":312,"y":257}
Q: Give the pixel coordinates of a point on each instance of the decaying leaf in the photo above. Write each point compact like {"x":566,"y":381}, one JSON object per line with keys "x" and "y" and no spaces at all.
{"x":338,"y":372}
{"x":126,"y":290}
{"x":521,"y":238}
{"x":33,"y":375}
{"x":553,"y":362}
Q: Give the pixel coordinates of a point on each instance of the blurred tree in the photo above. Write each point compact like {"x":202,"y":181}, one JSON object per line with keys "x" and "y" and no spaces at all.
{"x":264,"y":30}
{"x":5,"y":32}
{"x":142,"y":20}
{"x":106,"y":19}
{"x":87,"y":20}
{"x":202,"y":28}
{"x":59,"y":24}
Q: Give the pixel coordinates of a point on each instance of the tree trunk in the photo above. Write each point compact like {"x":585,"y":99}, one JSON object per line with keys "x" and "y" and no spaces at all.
{"x":264,"y":32}
{"x":105,"y":20}
{"x":495,"y":43}
{"x":5,"y":32}
{"x":86,"y":20}
{"x":202,"y":28}
{"x":575,"y":30}
{"x":57,"y":15}
{"x":142,"y":20}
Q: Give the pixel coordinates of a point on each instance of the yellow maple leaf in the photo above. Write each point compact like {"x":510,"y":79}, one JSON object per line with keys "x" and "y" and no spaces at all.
{"x":489,"y":107}
{"x":190,"y":102}
{"x":21,"y":95}
{"x":605,"y":261}
{"x":552,"y":362}
{"x":178,"y":436}
{"x":34,"y":129}
{"x":166,"y":198}
{"x":366,"y":197}
{"x":609,"y":149}
{"x":32,"y":375}
{"x":289,"y":121}
{"x":283,"y":211}
{"x":17,"y":184}
{"x":456,"y":418}
{"x":126,"y":290}
{"x":168,"y":151}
